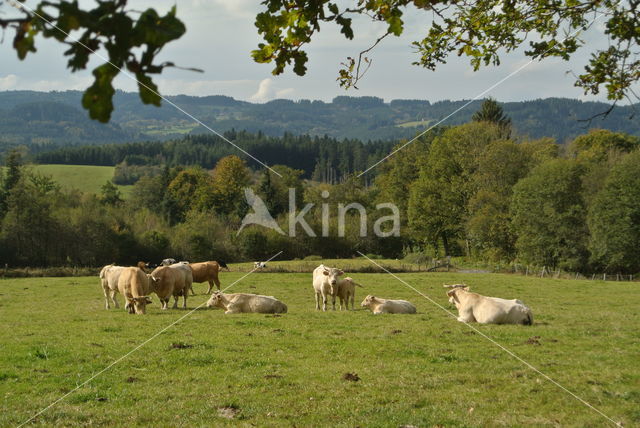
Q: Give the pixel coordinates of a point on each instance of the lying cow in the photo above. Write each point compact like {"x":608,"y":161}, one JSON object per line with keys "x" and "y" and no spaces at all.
{"x":388,"y":306}
{"x":109,"y":276}
{"x":347,"y":290}
{"x":206,"y":271}
{"x":325,"y":283}
{"x":243,"y":302}
{"x":259,"y":265}
{"x":473,"y":307}
{"x":167,"y":282}
{"x":135,"y":286}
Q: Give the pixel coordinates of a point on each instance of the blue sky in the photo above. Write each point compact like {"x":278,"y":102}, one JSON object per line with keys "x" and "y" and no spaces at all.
{"x":221,"y":35}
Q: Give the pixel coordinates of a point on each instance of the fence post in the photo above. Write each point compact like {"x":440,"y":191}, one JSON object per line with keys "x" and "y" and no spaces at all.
{"x":604,"y":276}
{"x":527,"y":272}
{"x":543,"y":270}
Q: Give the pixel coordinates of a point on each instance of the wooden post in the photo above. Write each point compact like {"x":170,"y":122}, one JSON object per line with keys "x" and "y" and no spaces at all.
{"x":576,"y":275}
{"x":527,"y":272}
{"x":604,"y":276}
{"x":542,"y":273}
{"x":593,"y":277}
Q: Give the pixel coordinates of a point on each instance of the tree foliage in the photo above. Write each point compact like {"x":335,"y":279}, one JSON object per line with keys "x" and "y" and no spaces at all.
{"x":480,"y":30}
{"x":132,"y":41}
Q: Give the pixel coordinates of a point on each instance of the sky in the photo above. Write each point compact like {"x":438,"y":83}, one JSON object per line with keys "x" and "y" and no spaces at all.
{"x":221,"y":34}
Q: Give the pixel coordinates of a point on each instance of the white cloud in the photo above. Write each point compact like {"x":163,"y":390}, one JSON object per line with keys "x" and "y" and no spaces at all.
{"x":267,"y":91}
{"x":8,"y":82}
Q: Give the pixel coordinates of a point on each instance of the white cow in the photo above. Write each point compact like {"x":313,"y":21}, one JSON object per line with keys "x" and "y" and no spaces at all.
{"x":347,"y":291}
{"x":168,"y":262}
{"x":243,"y":302}
{"x":325,"y":283}
{"x":388,"y":306}
{"x":109,"y":280}
{"x":260,"y":265}
{"x":187,"y":273}
{"x":473,"y":307}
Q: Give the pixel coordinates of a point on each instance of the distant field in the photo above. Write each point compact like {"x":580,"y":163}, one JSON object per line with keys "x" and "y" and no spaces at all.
{"x":414,"y":124}
{"x":422,"y":370}
{"x":86,"y":178}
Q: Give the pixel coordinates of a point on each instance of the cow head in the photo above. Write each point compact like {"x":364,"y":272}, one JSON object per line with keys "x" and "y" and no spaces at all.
{"x":332,"y":275}
{"x":453,"y":293}
{"x":215,"y":300}
{"x":368,"y":301}
{"x":138,"y":305}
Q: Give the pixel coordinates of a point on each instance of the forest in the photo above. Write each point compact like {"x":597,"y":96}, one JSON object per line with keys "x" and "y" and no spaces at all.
{"x":473,"y":190}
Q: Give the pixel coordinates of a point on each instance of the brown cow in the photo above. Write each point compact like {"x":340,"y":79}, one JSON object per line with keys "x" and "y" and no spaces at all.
{"x":135,"y":286}
{"x":206,"y":271}
{"x":167,"y":282}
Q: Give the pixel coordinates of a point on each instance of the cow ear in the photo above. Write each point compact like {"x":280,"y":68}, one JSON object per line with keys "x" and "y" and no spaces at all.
{"x":325,"y":272}
{"x":451,"y":293}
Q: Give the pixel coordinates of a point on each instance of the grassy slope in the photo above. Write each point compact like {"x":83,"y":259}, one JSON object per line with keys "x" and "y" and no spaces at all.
{"x":423,"y":369}
{"x":86,"y":178}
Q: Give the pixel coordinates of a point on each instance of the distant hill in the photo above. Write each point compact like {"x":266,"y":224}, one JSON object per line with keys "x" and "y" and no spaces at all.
{"x":42,"y":120}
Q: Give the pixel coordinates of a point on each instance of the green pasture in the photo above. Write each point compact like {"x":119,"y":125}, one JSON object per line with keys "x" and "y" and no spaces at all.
{"x":310,"y":369}
{"x":86,"y":178}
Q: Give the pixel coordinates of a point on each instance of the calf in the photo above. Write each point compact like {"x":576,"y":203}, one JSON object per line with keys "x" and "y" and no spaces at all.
{"x":109,"y":276}
{"x":243,"y":302}
{"x":325,"y":283}
{"x":388,"y":306}
{"x":473,"y":307}
{"x":135,"y":286}
{"x":346,"y":291}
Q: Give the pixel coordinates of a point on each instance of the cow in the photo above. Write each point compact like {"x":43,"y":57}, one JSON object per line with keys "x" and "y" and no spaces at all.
{"x":169,"y":282}
{"x":223,"y":264}
{"x":346,"y":291}
{"x":473,"y":307}
{"x":388,"y":306}
{"x":244,"y":302}
{"x":168,"y":262}
{"x":135,"y":286}
{"x":325,"y":283}
{"x":144,"y":266}
{"x":206,"y":271}
{"x":187,"y":274}
{"x":109,"y":280}
{"x":259,"y":265}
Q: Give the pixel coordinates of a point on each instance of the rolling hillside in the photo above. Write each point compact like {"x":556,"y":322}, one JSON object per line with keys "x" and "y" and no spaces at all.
{"x":41,"y":120}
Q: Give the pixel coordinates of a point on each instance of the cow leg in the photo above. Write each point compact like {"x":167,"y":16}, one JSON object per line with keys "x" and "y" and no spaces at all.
{"x":211,"y":287}
{"x":193,"y":293}
{"x":175,"y":302}
{"x":317,"y":301}
{"x":106,"y":297}
{"x":184,"y":300}
{"x":324,"y":302}
{"x":217,"y":281}
{"x":113,"y":299}
{"x":333,"y":302}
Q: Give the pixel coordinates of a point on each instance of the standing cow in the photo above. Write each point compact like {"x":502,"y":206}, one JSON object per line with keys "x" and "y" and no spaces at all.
{"x":206,"y":271}
{"x":135,"y":286}
{"x":325,"y":283}
{"x":109,"y":276}
{"x":169,"y":282}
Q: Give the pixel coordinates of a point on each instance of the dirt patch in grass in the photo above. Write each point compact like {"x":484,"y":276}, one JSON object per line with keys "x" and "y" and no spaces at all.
{"x":534,"y":340}
{"x":351,"y":377}
{"x":132,"y":379}
{"x":273,"y":376}
{"x":180,"y":345}
{"x":228,"y":412}
{"x":396,"y":331}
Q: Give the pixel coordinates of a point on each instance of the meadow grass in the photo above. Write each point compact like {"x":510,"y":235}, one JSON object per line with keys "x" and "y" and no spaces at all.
{"x":422,"y":370}
{"x":86,"y":178}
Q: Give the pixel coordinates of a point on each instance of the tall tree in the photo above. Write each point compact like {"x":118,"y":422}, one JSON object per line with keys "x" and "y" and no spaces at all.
{"x":438,"y":203}
{"x":492,"y":112}
{"x":614,"y":219}
{"x":549,"y":216}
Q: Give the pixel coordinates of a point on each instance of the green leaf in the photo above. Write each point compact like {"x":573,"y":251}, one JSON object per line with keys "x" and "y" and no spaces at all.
{"x":98,"y":98}
{"x":148,"y":90}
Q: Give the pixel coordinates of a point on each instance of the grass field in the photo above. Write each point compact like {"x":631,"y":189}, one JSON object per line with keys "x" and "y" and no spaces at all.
{"x":423,"y":370}
{"x":86,"y":178}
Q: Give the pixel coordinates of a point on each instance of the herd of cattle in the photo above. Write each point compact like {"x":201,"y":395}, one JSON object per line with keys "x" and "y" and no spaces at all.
{"x":175,"y":279}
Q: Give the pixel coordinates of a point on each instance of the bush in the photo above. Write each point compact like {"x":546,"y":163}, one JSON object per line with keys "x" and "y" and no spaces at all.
{"x":312,"y":258}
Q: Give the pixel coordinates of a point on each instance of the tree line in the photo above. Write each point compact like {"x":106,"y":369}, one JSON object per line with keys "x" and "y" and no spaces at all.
{"x":469,"y":190}
{"x":320,"y":158}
